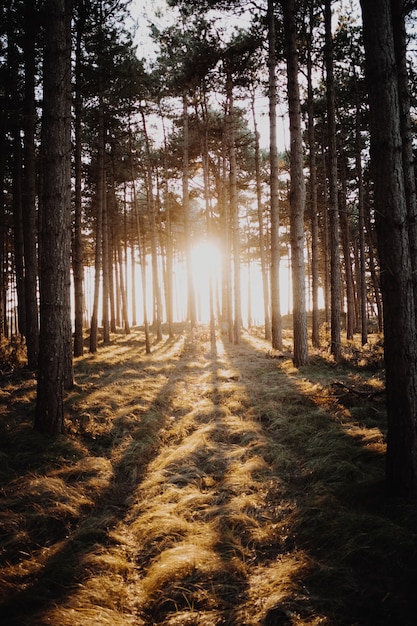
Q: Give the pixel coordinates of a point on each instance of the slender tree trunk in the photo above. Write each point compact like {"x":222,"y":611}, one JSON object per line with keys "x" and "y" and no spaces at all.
{"x":107,"y":260}
{"x":29,"y":192}
{"x":77,"y":244}
{"x":315,"y":322}
{"x":169,"y":245}
{"x":335,"y":286}
{"x":16,"y":167}
{"x":297,"y":189}
{"x":55,"y":316}
{"x":394,"y":246}
{"x":276,"y":321}
{"x":99,"y":229}
{"x":3,"y":256}
{"x":186,"y":211}
{"x":234,"y":211}
{"x":345,"y":234}
{"x":361,"y":220}
{"x":262,"y":252}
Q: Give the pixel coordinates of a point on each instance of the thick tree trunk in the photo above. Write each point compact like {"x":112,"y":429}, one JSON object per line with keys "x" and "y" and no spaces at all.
{"x":56,"y":233}
{"x":393,"y":232}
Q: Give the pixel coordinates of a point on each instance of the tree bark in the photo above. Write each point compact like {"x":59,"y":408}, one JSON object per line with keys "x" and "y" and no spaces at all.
{"x":29,"y":191}
{"x":77,"y":246}
{"x":394,"y":246}
{"x":315,"y":317}
{"x":335,"y":287}
{"x":276,"y":321}
{"x":297,"y":189}
{"x":56,"y":217}
{"x":262,"y":251}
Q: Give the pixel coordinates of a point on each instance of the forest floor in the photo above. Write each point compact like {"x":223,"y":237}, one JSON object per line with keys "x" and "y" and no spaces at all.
{"x":205,"y":484}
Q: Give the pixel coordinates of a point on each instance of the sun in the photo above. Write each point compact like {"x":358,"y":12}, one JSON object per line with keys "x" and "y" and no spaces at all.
{"x":206,"y":269}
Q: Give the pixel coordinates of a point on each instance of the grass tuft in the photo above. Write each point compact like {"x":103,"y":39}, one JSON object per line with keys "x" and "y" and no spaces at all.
{"x":205,"y":485}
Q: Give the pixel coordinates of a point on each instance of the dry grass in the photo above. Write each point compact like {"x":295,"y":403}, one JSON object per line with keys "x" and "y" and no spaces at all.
{"x":204,"y":485}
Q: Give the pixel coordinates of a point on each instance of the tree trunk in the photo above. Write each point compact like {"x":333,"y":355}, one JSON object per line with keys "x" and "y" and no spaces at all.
{"x":3,"y":256}
{"x":276,"y":321}
{"x":262,"y":252}
{"x":77,"y":245}
{"x":234,"y":211}
{"x":400,"y":335}
{"x":186,"y":211}
{"x":345,"y":235}
{"x":29,"y":191}
{"x":335,"y":287}
{"x":16,"y":167}
{"x":297,"y":189}
{"x":106,"y":256}
{"x":361,"y":220}
{"x":315,"y":321}
{"x":99,"y":200}
{"x":56,"y":233}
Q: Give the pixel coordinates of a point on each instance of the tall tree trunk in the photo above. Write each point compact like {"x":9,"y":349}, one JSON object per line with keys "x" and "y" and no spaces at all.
{"x":262,"y":250}
{"x":186,"y":210}
{"x":77,"y":245}
{"x":16,"y":167}
{"x":29,"y":191}
{"x":407,"y":134}
{"x":297,"y":189}
{"x":3,"y":256}
{"x":169,"y":245}
{"x":361,"y":219}
{"x":107,"y":260}
{"x":234,"y":211}
{"x":315,"y":321}
{"x":335,"y":286}
{"x":55,"y":316}
{"x":345,"y":234}
{"x":400,"y":334}
{"x":99,"y":200}
{"x":276,"y":321}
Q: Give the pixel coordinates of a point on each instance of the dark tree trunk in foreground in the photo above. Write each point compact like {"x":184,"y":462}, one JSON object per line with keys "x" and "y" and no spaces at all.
{"x":55,"y":232}
{"x":393,"y":235}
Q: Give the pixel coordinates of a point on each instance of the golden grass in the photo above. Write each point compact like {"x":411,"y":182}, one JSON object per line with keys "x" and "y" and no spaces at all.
{"x":204,"y":485}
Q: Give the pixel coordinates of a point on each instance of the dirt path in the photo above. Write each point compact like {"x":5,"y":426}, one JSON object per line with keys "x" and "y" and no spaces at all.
{"x":210,"y":513}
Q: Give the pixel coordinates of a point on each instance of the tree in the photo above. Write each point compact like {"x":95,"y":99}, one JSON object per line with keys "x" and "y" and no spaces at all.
{"x":297,"y":189}
{"x":393,"y":236}
{"x":276,"y":321}
{"x":335,"y":296}
{"x":55,"y":218}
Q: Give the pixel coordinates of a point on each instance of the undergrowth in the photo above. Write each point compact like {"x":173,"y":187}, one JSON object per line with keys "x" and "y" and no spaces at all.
{"x":205,"y":484}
